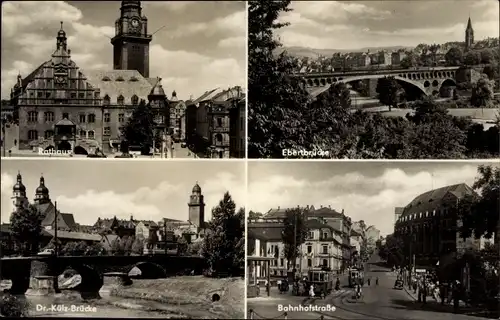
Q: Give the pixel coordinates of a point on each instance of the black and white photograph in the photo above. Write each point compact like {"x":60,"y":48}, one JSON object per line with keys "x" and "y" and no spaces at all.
{"x":161,"y":79}
{"x":374,"y":79}
{"x":121,"y":239}
{"x":373,"y":240}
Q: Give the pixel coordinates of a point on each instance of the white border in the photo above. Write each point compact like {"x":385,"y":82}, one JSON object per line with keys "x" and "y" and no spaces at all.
{"x":246,"y":162}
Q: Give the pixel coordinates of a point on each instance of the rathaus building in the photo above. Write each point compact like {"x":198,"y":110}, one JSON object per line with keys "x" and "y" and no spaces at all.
{"x":59,"y":106}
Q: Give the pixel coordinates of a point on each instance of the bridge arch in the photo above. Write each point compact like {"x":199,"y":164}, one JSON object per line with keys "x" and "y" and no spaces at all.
{"x":446,"y":85}
{"x":92,"y":280}
{"x":413,"y":84}
{"x":150,"y":270}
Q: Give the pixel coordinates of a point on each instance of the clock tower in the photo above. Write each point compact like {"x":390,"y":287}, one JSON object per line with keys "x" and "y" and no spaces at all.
{"x":131,"y":40}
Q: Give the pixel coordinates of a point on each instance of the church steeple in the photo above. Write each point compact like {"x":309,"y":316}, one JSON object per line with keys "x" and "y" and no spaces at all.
{"x":469,"y":35}
{"x":19,"y":194}
{"x":42,"y":193}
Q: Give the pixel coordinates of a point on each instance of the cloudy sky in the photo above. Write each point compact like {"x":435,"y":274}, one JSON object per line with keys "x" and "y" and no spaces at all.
{"x":368,"y":192}
{"x":153,"y":190}
{"x":361,"y":24}
{"x":201,"y":47}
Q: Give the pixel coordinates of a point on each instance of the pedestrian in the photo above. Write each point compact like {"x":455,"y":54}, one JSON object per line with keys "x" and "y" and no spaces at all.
{"x":376,"y":281}
{"x":456,"y":297}
{"x":15,"y":142}
{"x":279,"y":285}
{"x":311,"y":291}
{"x":337,"y":284}
{"x":368,"y":281}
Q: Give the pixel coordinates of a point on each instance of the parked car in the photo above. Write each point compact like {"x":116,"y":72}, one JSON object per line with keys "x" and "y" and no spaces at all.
{"x":47,"y":252}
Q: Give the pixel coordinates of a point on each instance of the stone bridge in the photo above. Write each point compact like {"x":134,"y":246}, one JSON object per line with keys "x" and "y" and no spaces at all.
{"x":428,"y":81}
{"x":25,"y":270}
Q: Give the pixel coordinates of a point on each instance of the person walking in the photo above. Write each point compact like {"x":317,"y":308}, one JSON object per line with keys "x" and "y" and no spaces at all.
{"x":311,"y":291}
{"x":376,"y":281}
{"x":337,"y":284}
{"x":368,"y":281}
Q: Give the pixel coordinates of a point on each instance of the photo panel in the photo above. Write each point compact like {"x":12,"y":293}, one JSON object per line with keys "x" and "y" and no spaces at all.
{"x":122,"y":79}
{"x":369,"y":80}
{"x":372,"y":240}
{"x":122,"y":239}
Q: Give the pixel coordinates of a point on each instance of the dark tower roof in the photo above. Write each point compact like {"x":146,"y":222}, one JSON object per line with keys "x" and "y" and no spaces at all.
{"x":157,"y":89}
{"x":19,"y":186}
{"x":61,"y":38}
{"x":42,"y":189}
{"x":469,"y":24}
{"x":196,"y":188}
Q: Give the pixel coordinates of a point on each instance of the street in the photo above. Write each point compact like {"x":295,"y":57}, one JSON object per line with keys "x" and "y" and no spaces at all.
{"x":379,"y":302}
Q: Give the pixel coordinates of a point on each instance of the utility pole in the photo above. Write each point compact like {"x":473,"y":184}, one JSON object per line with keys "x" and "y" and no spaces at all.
{"x":4,"y":141}
{"x":165,"y":234}
{"x":295,"y":243}
{"x":56,"y":251}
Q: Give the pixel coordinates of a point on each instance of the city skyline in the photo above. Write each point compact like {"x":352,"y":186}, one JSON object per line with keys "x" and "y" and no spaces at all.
{"x":198,"y":46}
{"x":368,"y":192}
{"x":346,"y":25}
{"x":124,"y":188}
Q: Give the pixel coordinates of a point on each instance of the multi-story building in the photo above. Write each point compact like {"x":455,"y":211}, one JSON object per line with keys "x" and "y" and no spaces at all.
{"x":208,"y":122}
{"x":397,"y":57}
{"x":59,"y":106}
{"x":429,"y":225}
{"x":237,"y":131}
{"x":177,"y":126}
{"x":372,"y":235}
{"x":384,"y":58}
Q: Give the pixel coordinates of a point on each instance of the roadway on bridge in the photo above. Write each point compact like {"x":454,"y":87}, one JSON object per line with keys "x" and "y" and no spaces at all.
{"x":379,"y":302}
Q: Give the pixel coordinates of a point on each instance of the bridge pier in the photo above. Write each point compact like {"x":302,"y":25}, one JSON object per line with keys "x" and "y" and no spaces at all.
{"x":42,"y":278}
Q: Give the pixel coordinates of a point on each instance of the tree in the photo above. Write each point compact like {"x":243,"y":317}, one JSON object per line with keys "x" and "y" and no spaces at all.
{"x":389,"y":91}
{"x":139,"y":129}
{"x":138,"y":245}
{"x":454,"y":57}
{"x":487,"y":56}
{"x":195,"y":248}
{"x":482,"y":93}
{"x":409,"y":61}
{"x":472,"y":58}
{"x":254,"y":215}
{"x":294,"y":234}
{"x":392,"y":251}
{"x":152,"y":239}
{"x":95,"y":249}
{"x":224,"y":233}
{"x":117,"y":247}
{"x":182,"y":245}
{"x":127,"y":245}
{"x":26,"y":227}
{"x":491,"y":71}
{"x":480,"y":215}
{"x":278,"y":100}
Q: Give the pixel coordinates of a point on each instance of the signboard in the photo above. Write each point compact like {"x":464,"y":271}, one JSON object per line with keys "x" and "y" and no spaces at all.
{"x":420,"y":270}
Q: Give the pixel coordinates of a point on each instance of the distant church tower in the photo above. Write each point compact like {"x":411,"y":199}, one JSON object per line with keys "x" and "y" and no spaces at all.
{"x":42,"y":193}
{"x":196,"y":207}
{"x":19,"y":194}
{"x":131,"y":40}
{"x":469,"y":36}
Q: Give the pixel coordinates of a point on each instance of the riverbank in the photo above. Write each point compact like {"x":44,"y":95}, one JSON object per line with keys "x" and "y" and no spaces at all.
{"x":188,"y":297}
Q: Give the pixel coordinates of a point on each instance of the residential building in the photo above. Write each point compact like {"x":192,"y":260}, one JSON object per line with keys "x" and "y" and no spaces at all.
{"x":372,"y":235}
{"x":429,"y":225}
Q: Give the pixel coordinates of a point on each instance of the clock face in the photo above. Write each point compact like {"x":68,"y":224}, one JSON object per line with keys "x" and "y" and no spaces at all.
{"x":135,"y":23}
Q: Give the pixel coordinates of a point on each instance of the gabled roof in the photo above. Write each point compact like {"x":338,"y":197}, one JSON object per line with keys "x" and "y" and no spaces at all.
{"x":433,"y":199}
{"x":65,"y":122}
{"x":314,"y":224}
{"x":75,"y":235}
{"x":44,"y":207}
{"x":69,"y":219}
{"x":265,"y":234}
{"x":325,"y":212}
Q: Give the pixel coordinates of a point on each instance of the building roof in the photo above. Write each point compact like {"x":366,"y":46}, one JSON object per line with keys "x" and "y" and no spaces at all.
{"x":276,"y":213}
{"x":354,"y":233}
{"x":432,"y":199}
{"x":126,"y":83}
{"x":43,"y":208}
{"x":314,"y":224}
{"x":65,"y":122}
{"x":75,"y":235}
{"x":69,"y":219}
{"x":325,"y":212}
{"x":266,"y":234}
{"x":147,"y":223}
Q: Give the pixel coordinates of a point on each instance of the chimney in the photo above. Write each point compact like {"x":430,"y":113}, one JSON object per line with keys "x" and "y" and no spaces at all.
{"x":329,"y":206}
{"x":342,"y":211}
{"x":307,"y":207}
{"x":320,"y":206}
{"x":278,"y":207}
{"x":131,"y":218}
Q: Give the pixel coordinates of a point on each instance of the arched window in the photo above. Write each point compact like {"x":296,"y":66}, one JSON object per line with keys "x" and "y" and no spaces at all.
{"x":219,"y":122}
{"x":32,"y":135}
{"x":83,"y":134}
{"x":91,"y":134}
{"x":120,"y":100}
{"x":106,"y":100}
{"x":32,"y":116}
{"x":49,"y":134}
{"x":106,"y":78}
{"x":48,"y":116}
{"x":135,"y":100}
{"x":91,"y":118}
{"x":218,"y":137}
{"x":120,"y":79}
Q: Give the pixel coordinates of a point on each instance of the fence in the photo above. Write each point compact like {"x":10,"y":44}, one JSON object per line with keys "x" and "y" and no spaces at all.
{"x":284,"y":315}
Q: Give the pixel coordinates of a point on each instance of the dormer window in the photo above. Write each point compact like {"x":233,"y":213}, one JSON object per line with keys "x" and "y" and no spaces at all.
{"x":120,"y":100}
{"x":119,"y":79}
{"x":135,"y":100}
{"x":107,"y":100}
{"x":133,"y":79}
{"x":106,"y":78}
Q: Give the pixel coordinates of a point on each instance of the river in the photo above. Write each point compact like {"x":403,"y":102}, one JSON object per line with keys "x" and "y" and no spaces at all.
{"x":69,"y":304}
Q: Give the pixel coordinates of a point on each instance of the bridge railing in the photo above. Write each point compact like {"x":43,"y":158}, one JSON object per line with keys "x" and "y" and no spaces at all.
{"x":373,"y":71}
